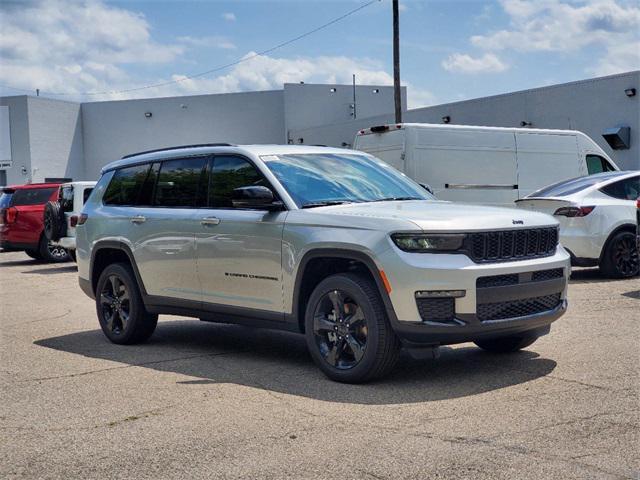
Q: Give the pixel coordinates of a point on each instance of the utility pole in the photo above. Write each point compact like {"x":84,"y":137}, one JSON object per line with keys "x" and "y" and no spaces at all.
{"x":396,"y":62}
{"x":354,"y":95}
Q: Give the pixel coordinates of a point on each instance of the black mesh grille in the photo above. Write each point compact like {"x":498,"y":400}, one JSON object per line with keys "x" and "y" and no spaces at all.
{"x":437,"y":309}
{"x":497,"y":281}
{"x":517,"y":308}
{"x":543,"y":275}
{"x":512,"y":244}
{"x":514,"y":279}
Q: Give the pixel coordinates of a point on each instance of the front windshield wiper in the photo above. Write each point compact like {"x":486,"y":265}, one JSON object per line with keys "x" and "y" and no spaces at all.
{"x":325,"y":203}
{"x":395,"y":199}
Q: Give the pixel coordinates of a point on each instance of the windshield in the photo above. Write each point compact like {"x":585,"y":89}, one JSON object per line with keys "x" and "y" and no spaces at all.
{"x":324,"y":179}
{"x":575,"y":185}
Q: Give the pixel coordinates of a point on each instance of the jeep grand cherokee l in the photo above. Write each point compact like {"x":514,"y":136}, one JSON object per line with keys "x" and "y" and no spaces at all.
{"x":331,"y":243}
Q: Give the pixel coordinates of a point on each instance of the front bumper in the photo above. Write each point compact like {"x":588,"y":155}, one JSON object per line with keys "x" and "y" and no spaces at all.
{"x":410,"y":273}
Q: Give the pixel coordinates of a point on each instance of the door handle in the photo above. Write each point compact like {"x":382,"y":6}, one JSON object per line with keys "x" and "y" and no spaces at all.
{"x":138,"y":219}
{"x":210,"y":221}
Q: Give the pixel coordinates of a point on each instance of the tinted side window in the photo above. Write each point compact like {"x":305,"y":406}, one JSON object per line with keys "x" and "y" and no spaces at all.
{"x":126,"y":185}
{"x":597,"y":164}
{"x":86,"y":194}
{"x":178,"y":182}
{"x":146,"y":193}
{"x":229,"y":173}
{"x":34,"y":196}
{"x":628,"y":189}
{"x":66,"y":199}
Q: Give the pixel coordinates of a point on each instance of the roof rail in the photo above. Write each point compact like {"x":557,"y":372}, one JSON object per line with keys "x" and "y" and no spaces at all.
{"x":178,"y":148}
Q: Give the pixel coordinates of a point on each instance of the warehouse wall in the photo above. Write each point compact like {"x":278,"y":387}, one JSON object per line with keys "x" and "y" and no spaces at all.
{"x":590,"y":106}
{"x":55,"y":136}
{"x":308,"y":105}
{"x":19,"y":127}
{"x":113,"y":129}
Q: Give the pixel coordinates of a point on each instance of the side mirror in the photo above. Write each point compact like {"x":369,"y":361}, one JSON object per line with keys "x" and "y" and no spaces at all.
{"x":427,"y":187}
{"x":256,"y":197}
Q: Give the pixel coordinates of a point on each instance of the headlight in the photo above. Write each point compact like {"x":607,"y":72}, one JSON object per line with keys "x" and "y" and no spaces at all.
{"x":428,"y":242}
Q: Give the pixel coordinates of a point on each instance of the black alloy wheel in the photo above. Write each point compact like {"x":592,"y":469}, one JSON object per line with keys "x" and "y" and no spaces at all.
{"x":116,"y":304}
{"x":57,"y":252}
{"x":51,"y":253}
{"x":121,"y":312}
{"x":348,"y":332}
{"x":625,"y":256}
{"x":340,"y":330}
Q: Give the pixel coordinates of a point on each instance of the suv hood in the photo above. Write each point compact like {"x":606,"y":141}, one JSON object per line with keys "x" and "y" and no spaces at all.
{"x":430,"y":215}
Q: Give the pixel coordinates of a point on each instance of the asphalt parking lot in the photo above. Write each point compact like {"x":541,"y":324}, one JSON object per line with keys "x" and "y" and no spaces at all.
{"x":220,"y":401}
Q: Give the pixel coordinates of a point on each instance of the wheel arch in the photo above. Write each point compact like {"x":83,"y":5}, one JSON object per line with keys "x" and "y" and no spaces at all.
{"x":319,"y":263}
{"x":625,"y":227}
{"x":107,"y":252}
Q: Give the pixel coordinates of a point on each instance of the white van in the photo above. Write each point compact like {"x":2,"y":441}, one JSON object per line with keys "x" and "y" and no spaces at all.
{"x":490,"y":165}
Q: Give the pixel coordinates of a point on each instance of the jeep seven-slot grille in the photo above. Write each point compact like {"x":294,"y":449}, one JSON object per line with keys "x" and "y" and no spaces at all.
{"x":512,"y":244}
{"x":517,"y":308}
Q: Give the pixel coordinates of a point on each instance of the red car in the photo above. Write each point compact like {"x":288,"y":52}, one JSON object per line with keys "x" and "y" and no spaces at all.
{"x":22,"y":222}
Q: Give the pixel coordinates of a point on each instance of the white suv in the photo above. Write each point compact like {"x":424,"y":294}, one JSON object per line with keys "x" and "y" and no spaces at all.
{"x":61,"y":217}
{"x":328,"y":242}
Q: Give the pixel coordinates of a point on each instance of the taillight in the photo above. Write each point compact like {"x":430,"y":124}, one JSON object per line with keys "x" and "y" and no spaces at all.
{"x":10,"y":215}
{"x":573,"y":211}
{"x":80,"y":220}
{"x":73,"y":221}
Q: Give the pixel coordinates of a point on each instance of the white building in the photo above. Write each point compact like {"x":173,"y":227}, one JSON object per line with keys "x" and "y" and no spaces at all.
{"x":42,"y":138}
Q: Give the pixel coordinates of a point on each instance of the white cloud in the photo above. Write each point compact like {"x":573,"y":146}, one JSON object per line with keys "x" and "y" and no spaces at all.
{"x":73,"y":47}
{"x":418,"y":97}
{"x":463,"y":63}
{"x":562,"y":26}
{"x":229,"y":16}
{"x":209,"y":42}
{"x":70,"y":46}
{"x":268,"y":73}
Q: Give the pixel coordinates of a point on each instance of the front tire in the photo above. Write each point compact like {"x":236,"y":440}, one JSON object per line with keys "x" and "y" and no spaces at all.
{"x":509,"y":344}
{"x":621,"y":258}
{"x":347,"y":330}
{"x":119,"y":306}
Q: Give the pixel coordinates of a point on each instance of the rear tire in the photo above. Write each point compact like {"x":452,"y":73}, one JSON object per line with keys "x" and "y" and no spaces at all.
{"x":34,"y":253}
{"x":508,"y":344}
{"x":119,"y":306}
{"x":358,"y":343}
{"x":51,"y":253}
{"x":621,"y":258}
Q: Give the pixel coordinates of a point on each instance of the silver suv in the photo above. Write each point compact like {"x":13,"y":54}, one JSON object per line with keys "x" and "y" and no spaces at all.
{"x":328,"y":242}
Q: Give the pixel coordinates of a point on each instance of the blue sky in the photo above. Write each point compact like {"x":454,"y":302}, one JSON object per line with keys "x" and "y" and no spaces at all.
{"x":451,"y":50}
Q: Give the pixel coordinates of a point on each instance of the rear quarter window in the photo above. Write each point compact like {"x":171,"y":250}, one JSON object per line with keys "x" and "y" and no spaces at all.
{"x":627,"y":189}
{"x":126,"y":185}
{"x":32,"y":196}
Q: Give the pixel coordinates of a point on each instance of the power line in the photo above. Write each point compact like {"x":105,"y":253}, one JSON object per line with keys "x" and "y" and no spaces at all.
{"x":213,"y":70}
